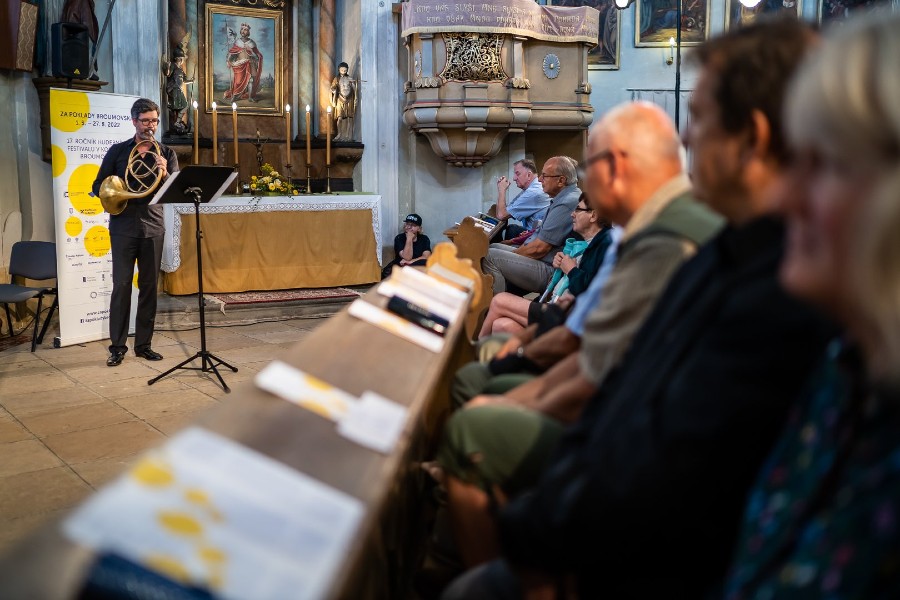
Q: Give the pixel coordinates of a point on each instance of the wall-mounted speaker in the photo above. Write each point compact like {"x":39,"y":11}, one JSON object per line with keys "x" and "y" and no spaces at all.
{"x":18,"y":33}
{"x":71,"y":50}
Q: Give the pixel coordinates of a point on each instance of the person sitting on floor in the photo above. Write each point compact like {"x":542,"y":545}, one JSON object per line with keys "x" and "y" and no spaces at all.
{"x":574,"y":272}
{"x":530,"y":266}
{"x":823,"y":519}
{"x":411,"y":248}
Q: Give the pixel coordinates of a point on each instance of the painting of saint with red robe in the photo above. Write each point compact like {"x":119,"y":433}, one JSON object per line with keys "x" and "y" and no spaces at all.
{"x":244,"y":59}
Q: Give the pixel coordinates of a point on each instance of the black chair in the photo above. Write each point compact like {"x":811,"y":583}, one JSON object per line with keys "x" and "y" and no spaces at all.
{"x":32,"y":260}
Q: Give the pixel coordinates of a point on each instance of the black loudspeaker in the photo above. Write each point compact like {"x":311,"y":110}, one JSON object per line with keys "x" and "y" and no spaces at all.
{"x":71,"y":50}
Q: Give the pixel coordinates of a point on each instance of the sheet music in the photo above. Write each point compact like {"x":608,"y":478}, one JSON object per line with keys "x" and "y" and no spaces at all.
{"x":205,"y":510}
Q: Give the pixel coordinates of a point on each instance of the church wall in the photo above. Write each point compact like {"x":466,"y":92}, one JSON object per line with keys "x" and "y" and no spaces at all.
{"x":397,"y":164}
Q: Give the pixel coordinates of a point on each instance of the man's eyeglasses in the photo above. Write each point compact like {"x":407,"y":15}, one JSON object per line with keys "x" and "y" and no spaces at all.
{"x":545,"y":176}
{"x":602,"y":155}
{"x":579,"y":209}
{"x":146,"y":122}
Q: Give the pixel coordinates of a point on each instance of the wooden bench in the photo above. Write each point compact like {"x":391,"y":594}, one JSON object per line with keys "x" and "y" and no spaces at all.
{"x":356,"y":356}
{"x":473,"y":242}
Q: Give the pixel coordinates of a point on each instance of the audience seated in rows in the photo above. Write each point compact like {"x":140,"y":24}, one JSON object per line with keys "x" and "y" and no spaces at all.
{"x":644,"y":189}
{"x":530,"y":266}
{"x":575,"y":267}
{"x":640,"y":495}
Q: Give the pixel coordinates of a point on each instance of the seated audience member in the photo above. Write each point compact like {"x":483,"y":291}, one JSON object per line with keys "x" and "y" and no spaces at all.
{"x":530,"y":206}
{"x":640,"y":497}
{"x":644,"y":189}
{"x":411,"y":248}
{"x":823,"y":520}
{"x":509,"y":312}
{"x":530,"y":265}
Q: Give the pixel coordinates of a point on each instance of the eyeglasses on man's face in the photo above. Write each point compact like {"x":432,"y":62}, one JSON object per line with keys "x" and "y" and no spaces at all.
{"x":148,"y":122}
{"x":602,"y":155}
{"x":580,"y":209}
{"x":546,"y":176}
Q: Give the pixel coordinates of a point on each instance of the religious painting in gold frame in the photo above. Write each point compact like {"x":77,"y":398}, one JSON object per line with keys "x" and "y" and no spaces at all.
{"x":655,"y":22}
{"x":244,"y":59}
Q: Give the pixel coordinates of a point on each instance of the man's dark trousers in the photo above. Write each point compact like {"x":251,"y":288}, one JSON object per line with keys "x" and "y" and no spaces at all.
{"x":148,"y":254}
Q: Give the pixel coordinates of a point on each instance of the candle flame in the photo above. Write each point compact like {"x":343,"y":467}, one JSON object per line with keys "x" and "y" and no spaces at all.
{"x":195,"y":104}
{"x":214,"y":106}
{"x":329,"y":110}
{"x":287,"y":108}
{"x":307,"y":108}
{"x":234,"y":106}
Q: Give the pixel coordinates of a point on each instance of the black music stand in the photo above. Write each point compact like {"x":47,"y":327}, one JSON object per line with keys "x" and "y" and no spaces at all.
{"x":200,"y":184}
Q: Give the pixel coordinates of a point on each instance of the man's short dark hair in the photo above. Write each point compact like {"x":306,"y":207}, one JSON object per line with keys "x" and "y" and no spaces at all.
{"x":345,"y":65}
{"x":143,"y":105}
{"x":754,"y":65}
{"x":527,"y":164}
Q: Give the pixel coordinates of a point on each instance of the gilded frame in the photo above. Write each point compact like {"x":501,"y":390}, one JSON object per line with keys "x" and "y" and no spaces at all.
{"x":224,"y":38}
{"x":652,"y":12}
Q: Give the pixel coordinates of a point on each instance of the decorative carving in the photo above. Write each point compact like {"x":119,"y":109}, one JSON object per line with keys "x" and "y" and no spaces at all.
{"x":584,"y":88}
{"x":428,"y":82}
{"x":473,"y":57}
{"x":519,"y":83}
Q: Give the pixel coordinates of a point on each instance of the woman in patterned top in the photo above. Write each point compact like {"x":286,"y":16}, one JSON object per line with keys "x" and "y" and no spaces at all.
{"x":823,"y":520}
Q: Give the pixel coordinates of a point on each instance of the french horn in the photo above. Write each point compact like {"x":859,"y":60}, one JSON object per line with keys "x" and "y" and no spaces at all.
{"x":116,"y":192}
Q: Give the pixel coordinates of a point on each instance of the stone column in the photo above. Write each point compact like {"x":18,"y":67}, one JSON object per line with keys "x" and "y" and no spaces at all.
{"x":327,"y":67}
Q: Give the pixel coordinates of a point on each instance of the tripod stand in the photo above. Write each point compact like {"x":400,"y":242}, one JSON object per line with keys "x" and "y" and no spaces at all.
{"x":208,"y":361}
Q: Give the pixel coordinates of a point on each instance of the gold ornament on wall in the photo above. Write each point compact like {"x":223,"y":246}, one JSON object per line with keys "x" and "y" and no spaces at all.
{"x":473,"y":57}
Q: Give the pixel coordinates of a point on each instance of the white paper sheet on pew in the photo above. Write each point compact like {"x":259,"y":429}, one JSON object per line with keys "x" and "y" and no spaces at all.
{"x":391,"y":288}
{"x":205,"y":510}
{"x":431,"y":286}
{"x":396,"y":325}
{"x":304,"y":390}
{"x":374,"y":422}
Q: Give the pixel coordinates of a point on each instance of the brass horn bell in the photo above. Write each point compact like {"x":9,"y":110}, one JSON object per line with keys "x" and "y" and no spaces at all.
{"x":115,"y":193}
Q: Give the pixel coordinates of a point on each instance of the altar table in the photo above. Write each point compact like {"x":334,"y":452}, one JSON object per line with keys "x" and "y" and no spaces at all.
{"x":273,"y":243}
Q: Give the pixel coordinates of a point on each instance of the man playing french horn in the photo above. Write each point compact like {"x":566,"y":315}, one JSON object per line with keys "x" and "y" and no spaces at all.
{"x":135,"y":228}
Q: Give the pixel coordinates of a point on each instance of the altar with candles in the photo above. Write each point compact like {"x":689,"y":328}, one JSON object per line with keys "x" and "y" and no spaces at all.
{"x":274,"y":242}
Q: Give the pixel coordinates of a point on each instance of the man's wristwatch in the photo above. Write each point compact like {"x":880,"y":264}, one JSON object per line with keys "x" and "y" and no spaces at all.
{"x":520,"y":352}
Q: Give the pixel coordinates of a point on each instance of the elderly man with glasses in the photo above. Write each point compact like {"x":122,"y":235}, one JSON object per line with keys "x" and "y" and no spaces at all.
{"x":530,"y":266}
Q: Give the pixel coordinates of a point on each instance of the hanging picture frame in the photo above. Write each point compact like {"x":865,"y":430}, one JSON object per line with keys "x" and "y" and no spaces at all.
{"x":605,"y":55}
{"x":655,"y":22}
{"x":738,"y":15}
{"x":244,"y":59}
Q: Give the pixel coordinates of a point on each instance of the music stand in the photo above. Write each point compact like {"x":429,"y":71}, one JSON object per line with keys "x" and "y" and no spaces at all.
{"x":200,"y":184}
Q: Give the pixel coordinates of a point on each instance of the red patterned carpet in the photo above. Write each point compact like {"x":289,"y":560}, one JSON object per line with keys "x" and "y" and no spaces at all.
{"x":283,"y":295}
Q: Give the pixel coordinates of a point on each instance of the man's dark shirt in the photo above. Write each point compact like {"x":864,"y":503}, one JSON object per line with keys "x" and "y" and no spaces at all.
{"x":643,"y":497}
{"x":138,"y":220}
{"x":420,"y":246}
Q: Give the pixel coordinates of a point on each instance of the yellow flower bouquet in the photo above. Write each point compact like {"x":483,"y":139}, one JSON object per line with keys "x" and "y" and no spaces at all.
{"x":271,"y":182}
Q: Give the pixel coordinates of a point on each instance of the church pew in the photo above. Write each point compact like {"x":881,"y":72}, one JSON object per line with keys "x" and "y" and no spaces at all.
{"x":355,"y":356}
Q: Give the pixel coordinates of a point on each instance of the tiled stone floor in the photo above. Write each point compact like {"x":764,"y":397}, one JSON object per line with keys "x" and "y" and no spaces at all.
{"x":69,"y":423}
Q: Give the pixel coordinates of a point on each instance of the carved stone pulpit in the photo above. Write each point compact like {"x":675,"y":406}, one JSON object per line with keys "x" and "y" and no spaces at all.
{"x":481,"y":70}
